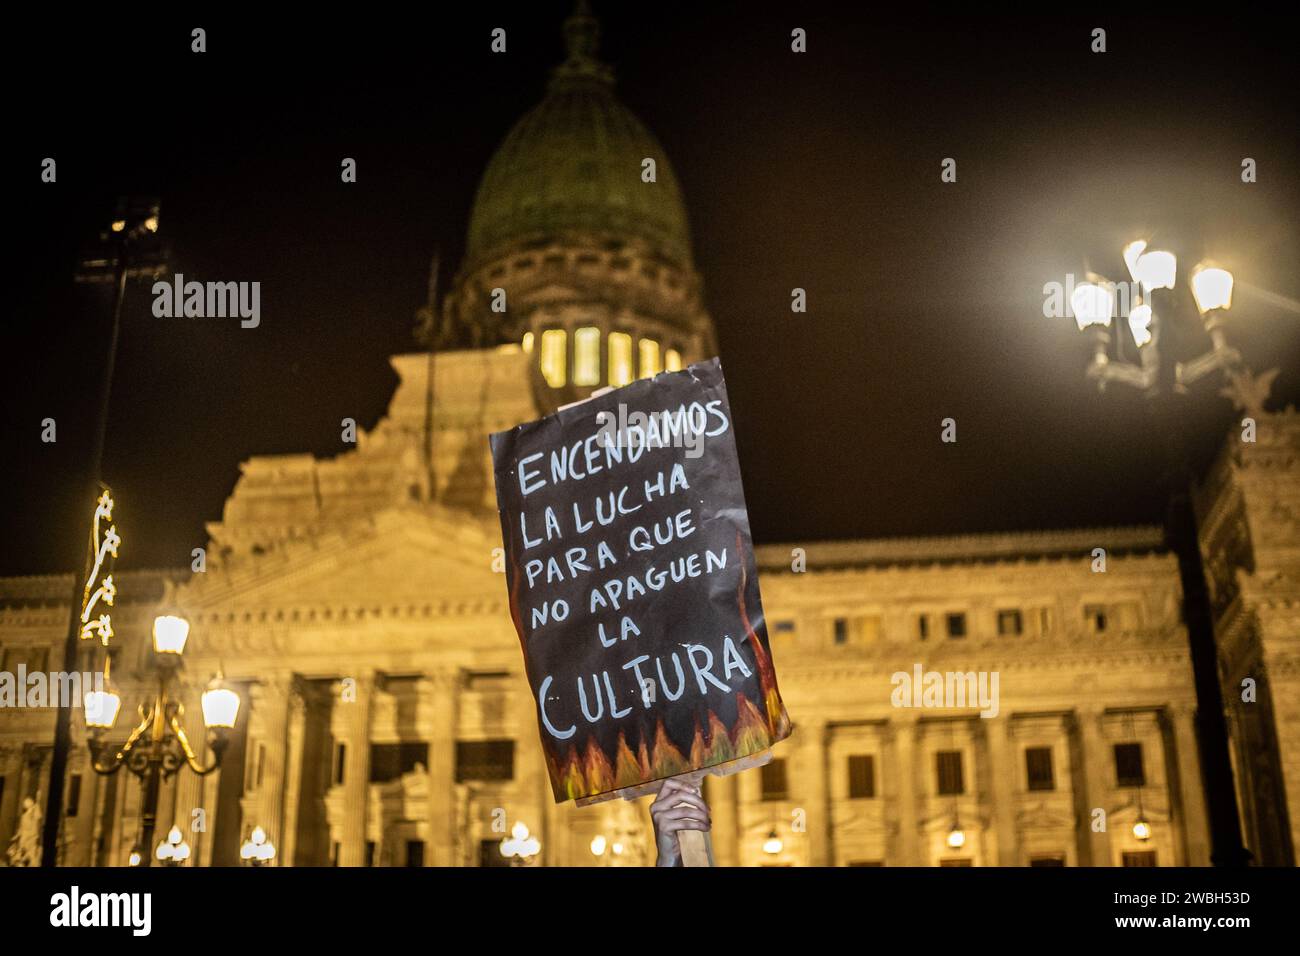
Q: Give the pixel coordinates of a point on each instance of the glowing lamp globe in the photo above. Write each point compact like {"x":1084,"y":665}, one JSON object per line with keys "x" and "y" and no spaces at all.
{"x":170,"y":634}
{"x":1131,"y":253}
{"x":1157,"y":270}
{"x":220,"y":707}
{"x":1212,"y":288}
{"x":1092,"y":304}
{"x":1139,"y":323}
{"x":773,"y":845}
{"x":101,"y":709}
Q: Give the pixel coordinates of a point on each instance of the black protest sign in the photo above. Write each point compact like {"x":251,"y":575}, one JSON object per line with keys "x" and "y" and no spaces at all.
{"x":633,"y":585}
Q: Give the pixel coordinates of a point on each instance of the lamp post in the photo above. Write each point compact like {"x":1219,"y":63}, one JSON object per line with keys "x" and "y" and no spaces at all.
{"x":1158,"y":331}
{"x":129,"y":248}
{"x":158,"y":746}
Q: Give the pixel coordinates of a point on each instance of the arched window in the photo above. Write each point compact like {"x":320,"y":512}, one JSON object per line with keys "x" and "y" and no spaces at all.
{"x":586,"y":356}
{"x":672,"y":360}
{"x":620,"y":358}
{"x":528,"y":341}
{"x":554,"y":360}
{"x":649,"y":357}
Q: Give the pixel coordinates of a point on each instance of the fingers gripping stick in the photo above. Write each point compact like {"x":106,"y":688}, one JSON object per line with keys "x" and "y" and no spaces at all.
{"x":696,"y":845}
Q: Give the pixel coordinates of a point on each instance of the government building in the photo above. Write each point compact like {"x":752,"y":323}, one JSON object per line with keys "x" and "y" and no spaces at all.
{"x":357,"y":604}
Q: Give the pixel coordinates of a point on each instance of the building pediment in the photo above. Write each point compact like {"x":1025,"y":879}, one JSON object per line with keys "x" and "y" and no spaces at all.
{"x":400,"y":557}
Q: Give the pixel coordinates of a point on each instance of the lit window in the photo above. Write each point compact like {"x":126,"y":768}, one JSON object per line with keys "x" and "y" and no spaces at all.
{"x":553,"y":357}
{"x":672,"y":360}
{"x":620,"y":358}
{"x":528,"y":341}
{"x":649,"y":357}
{"x":586,"y":356}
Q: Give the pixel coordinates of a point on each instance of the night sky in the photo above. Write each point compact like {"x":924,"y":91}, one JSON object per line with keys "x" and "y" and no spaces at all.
{"x":819,"y":170}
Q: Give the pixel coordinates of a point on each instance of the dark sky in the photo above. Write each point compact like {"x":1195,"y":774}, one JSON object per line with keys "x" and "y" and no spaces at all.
{"x":818,"y":170}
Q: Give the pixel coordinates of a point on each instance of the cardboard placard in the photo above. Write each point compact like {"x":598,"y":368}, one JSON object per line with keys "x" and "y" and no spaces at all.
{"x":633,"y":585}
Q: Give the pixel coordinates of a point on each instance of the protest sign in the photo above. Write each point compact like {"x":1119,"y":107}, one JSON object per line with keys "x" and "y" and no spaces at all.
{"x":633,"y":585}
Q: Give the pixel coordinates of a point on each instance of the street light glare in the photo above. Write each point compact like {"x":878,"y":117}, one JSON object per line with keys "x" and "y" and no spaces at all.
{"x":1139,"y":323}
{"x":1156,"y":270}
{"x":1131,"y":253}
{"x":1212,"y":288}
{"x":170,"y":634}
{"x":101,"y":709}
{"x":1092,"y":304}
{"x":220,"y":707}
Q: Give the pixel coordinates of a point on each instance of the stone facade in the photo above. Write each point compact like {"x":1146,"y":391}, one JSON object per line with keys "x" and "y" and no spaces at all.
{"x":356,"y":604}
{"x":1249,"y":527}
{"x":387,"y":720}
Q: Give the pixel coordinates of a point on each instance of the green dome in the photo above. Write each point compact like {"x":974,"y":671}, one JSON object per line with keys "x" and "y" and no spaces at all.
{"x":573,"y":163}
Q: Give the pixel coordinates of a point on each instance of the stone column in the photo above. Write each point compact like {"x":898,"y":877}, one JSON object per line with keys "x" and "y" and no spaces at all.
{"x":129,"y":818}
{"x":552,"y":852}
{"x":287,"y":840}
{"x":722,"y":810}
{"x":271,"y":706}
{"x":904,"y":759}
{"x":11,"y":769}
{"x":356,"y":772}
{"x":1191,"y":796}
{"x":189,"y":797}
{"x":1095,"y":786}
{"x":1003,"y":772}
{"x":81,"y":830}
{"x":444,"y":702}
{"x":812,"y":780}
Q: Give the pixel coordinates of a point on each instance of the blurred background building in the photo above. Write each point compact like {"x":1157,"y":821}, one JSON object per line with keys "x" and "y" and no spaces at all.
{"x":354,"y":601}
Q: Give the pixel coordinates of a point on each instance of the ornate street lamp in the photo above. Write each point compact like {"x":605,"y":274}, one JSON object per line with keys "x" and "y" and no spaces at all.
{"x":173,"y":851}
{"x":956,"y":836}
{"x":1156,"y":329}
{"x":129,"y":248}
{"x":158,"y":746}
{"x":520,"y":847}
{"x":257,"y":849}
{"x":773,"y":846}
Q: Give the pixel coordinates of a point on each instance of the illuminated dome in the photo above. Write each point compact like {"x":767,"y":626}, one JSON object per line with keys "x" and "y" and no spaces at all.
{"x":573,"y":164}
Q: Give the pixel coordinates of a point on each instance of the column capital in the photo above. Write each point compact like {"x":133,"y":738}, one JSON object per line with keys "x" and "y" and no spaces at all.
{"x":1181,"y":710}
{"x":273,"y":687}
{"x":443,"y":679}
